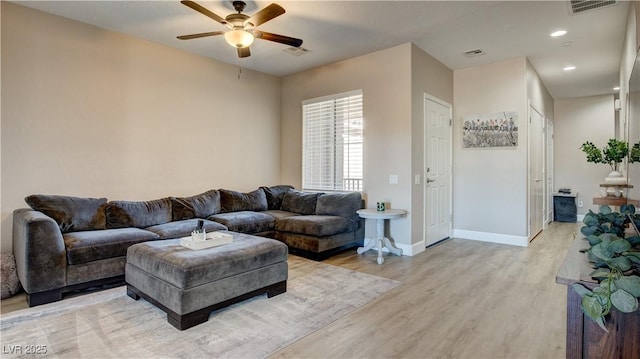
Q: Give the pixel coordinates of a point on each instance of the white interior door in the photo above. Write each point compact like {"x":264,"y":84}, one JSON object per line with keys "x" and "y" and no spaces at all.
{"x":437,"y":177}
{"x":549,"y":166}
{"x":536,"y":172}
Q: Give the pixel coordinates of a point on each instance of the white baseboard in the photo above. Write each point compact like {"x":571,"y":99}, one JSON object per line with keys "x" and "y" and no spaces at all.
{"x":491,"y":237}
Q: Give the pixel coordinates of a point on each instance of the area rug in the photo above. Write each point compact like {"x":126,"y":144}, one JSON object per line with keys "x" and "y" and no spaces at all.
{"x":109,"y":324}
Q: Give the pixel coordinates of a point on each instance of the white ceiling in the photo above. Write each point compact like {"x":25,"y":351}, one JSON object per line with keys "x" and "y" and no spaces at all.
{"x":337,"y":30}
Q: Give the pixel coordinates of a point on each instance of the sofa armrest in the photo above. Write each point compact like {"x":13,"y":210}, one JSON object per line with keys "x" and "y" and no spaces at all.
{"x":41,"y":258}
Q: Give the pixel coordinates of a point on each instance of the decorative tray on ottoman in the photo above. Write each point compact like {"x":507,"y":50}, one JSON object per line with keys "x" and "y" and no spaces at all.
{"x":213,"y":239}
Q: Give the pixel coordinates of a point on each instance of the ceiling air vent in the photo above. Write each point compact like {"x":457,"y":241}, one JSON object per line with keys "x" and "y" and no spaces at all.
{"x":580,"y":6}
{"x":474,"y":53}
{"x":296,"y":51}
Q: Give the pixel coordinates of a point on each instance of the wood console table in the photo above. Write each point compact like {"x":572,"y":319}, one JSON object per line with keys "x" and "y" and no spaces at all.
{"x":613,"y":200}
{"x":585,"y":339}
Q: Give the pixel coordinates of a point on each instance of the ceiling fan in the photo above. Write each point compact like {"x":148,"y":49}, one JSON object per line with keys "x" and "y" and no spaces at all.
{"x":242,"y":28}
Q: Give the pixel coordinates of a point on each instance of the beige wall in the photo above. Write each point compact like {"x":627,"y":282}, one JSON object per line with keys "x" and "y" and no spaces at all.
{"x":89,"y":112}
{"x":578,"y":120}
{"x":490,"y":184}
{"x":385,"y":79}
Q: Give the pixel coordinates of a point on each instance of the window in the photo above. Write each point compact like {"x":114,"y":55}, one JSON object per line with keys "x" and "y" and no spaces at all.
{"x":332,"y":152}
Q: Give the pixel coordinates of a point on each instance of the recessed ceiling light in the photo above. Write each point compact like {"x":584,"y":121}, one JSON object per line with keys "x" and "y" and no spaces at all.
{"x":558,"y":33}
{"x":569,"y":68}
{"x":617,"y":88}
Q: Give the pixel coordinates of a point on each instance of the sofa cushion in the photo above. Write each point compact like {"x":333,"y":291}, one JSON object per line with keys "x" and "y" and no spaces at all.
{"x":179,"y":229}
{"x":199,"y":206}
{"x":89,"y":246}
{"x":279,"y":214}
{"x":233,"y":201}
{"x":343,"y":204}
{"x":275,"y":194}
{"x":245,"y":221}
{"x":123,"y":214}
{"x":314,"y":225}
{"x":71,"y":213}
{"x":299,"y":202}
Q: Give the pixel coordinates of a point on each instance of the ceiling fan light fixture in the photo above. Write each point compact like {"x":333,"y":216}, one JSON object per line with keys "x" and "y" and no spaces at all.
{"x":239,"y":38}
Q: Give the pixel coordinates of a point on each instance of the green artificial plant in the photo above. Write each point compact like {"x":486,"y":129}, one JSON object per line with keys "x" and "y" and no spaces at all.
{"x":616,"y":261}
{"x":612,"y":154}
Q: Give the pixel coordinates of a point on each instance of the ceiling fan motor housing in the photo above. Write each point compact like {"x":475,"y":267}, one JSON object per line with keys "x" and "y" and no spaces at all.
{"x":237,"y":21}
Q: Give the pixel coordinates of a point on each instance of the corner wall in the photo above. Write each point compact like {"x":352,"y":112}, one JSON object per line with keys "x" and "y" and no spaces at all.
{"x":385,"y":78}
{"x":428,"y":76}
{"x":490,"y":184}
{"x":89,"y":112}
{"x":578,"y":120}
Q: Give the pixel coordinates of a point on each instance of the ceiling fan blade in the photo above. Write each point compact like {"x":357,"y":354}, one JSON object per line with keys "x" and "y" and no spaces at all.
{"x":202,"y":34}
{"x":291,"y":41}
{"x":197,"y":7}
{"x":244,"y":52}
{"x":266,"y":14}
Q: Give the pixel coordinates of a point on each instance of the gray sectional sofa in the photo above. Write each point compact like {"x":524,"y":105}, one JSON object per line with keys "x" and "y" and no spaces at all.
{"x":64,"y":243}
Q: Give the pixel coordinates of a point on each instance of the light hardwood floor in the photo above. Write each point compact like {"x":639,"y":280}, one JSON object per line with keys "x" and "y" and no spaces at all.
{"x":458,"y":299}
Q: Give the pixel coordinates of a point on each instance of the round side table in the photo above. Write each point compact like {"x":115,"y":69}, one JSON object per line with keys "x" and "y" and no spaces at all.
{"x":380,"y":240}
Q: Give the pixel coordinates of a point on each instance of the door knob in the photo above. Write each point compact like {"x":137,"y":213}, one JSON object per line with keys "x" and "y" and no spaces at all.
{"x":429,"y":180}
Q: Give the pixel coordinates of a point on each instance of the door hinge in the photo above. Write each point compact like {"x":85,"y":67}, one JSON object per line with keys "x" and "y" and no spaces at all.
{"x":450,"y":122}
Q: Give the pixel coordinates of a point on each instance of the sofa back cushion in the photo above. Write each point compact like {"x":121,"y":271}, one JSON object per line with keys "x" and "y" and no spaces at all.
{"x":71,"y":213}
{"x":343,"y":204}
{"x":275,"y":194}
{"x":299,"y":202}
{"x":123,"y":214}
{"x":199,"y":206}
{"x":232,"y":201}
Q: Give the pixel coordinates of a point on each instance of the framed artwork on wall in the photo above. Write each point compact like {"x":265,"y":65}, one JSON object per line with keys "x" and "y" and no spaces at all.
{"x":498,"y":129}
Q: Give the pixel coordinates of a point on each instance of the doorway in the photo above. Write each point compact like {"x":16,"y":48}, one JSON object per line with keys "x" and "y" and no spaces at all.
{"x":548,"y":136}
{"x":537,"y":178}
{"x":437,"y":176}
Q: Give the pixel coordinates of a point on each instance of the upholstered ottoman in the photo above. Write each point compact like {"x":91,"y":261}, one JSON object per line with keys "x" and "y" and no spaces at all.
{"x":188,"y":284}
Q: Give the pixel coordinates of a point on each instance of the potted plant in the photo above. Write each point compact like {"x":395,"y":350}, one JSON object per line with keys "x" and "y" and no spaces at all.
{"x":612,"y":154}
{"x":616,"y":260}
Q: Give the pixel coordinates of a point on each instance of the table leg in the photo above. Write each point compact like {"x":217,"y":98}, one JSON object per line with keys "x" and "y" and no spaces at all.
{"x":380,"y":238}
{"x":393,"y":249}
{"x":381,"y":241}
{"x":372,"y":242}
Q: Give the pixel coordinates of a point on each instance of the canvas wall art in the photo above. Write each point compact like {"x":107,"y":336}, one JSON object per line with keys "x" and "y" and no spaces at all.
{"x":498,"y":129}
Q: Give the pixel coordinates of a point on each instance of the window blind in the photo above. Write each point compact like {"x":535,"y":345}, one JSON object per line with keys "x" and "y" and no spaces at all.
{"x":332,"y":142}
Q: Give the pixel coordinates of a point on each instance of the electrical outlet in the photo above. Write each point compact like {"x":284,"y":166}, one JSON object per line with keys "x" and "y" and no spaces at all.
{"x":416,"y":179}
{"x":393,"y":179}
{"x":580,"y":203}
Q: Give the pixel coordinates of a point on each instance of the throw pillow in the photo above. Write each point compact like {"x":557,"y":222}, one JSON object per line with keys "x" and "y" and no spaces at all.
{"x":275,"y":194}
{"x":71,"y":213}
{"x":199,"y":206}
{"x":343,"y":204}
{"x":233,"y":201}
{"x":299,"y":202}
{"x":124,"y":214}
{"x":8,"y":275}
